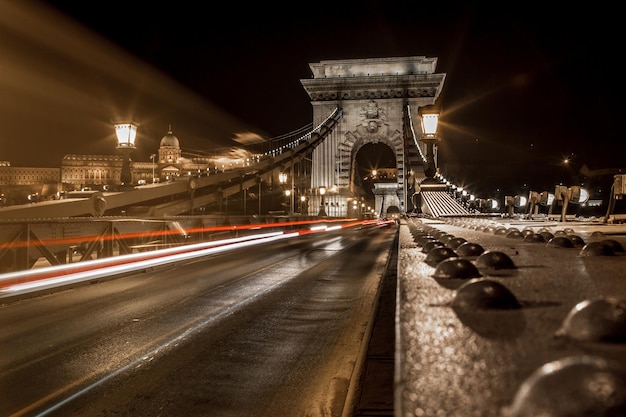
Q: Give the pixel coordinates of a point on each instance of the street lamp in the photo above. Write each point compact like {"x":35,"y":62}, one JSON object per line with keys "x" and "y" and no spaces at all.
{"x":152,"y":157}
{"x":302,"y":200}
{"x":322,"y":212}
{"x":564,"y":195}
{"x":288,"y":195}
{"x":282,"y":179}
{"x":126,"y":134}
{"x":430,"y":137}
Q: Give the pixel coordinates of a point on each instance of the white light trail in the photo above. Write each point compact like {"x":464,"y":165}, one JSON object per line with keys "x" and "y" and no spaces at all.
{"x":127,"y":263}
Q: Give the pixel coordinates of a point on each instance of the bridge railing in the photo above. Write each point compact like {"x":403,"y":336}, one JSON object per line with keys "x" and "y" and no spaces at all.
{"x":291,"y":141}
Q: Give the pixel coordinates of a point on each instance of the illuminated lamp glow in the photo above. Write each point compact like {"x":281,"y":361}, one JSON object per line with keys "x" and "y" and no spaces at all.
{"x":429,"y":124}
{"x":578,"y":194}
{"x":584,"y":195}
{"x":126,"y":134}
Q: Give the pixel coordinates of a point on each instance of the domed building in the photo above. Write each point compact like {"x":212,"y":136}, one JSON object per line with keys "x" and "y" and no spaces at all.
{"x":95,"y":171}
{"x":170,"y":156}
{"x":169,"y":148}
{"x":174,"y":162}
{"x":103,"y":172}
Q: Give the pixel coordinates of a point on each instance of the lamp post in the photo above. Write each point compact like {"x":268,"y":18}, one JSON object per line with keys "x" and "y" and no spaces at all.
{"x":288,"y":195}
{"x":258,"y":180}
{"x":430,"y":137}
{"x":152,"y":157}
{"x":282,"y":179}
{"x":302,"y":200}
{"x":126,"y":134}
{"x":322,"y":212}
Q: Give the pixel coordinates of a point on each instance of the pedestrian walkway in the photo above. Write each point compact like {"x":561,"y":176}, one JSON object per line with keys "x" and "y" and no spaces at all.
{"x":472,"y":329}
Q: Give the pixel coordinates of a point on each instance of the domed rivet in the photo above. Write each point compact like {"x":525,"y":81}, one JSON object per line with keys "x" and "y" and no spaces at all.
{"x":455,"y":242}
{"x":596,"y":249}
{"x":484,"y":294}
{"x":534,"y":238}
{"x":514,"y":234}
{"x":598,"y":235}
{"x":437,"y":255}
{"x":576,"y":240}
{"x":599,"y":320}
{"x":614,"y":244}
{"x":470,"y":249}
{"x":422,"y":240}
{"x":546,"y":235}
{"x":432,"y":245}
{"x":572,"y":386}
{"x":495,"y":260}
{"x":456,"y":268}
{"x":560,"y":242}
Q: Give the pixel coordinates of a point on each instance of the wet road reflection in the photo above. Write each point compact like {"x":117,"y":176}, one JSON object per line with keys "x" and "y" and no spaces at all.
{"x":272,"y":330}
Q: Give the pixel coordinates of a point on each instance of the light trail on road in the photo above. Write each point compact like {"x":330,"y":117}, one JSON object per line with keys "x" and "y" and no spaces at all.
{"x":292,"y":315}
{"x":22,"y":282}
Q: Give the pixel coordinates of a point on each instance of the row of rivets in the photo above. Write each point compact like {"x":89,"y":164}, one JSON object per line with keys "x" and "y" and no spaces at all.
{"x":564,"y":387}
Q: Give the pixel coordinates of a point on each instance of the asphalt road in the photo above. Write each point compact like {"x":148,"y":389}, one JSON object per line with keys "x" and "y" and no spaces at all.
{"x":274,"y":330}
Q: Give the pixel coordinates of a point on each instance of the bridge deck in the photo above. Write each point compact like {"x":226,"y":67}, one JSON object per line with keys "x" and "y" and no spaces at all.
{"x":472,"y":361}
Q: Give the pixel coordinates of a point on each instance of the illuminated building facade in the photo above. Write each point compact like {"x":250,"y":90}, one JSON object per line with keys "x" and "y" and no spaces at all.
{"x":99,"y":172}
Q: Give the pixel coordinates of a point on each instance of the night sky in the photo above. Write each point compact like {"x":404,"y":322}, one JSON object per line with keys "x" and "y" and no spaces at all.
{"x":526,"y":85}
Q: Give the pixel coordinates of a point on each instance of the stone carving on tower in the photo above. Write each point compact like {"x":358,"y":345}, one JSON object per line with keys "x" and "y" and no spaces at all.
{"x":373,"y":121}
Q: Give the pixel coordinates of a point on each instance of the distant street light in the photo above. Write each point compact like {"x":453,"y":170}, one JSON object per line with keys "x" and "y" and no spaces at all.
{"x":126,"y":134}
{"x":282,"y":179}
{"x":152,"y":157}
{"x":288,"y":195}
{"x":322,"y":212}
{"x":564,"y":195}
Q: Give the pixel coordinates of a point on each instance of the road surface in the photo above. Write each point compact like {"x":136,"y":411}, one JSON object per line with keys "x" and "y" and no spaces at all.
{"x":273,"y":330}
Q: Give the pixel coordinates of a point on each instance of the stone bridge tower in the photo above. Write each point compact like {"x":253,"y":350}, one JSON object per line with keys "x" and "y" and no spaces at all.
{"x":380,"y":98}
